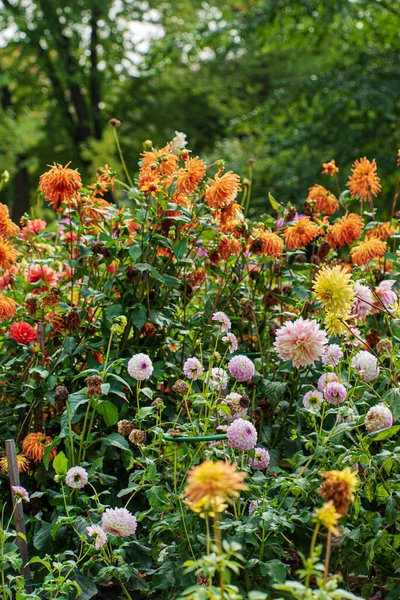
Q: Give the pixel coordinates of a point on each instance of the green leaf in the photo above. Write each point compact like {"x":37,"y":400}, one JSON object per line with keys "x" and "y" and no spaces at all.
{"x":40,"y":371}
{"x":117,"y":440}
{"x":157,"y":498}
{"x":139,"y":316}
{"x":180,"y":248}
{"x":60,"y":464}
{"x":384,"y":434}
{"x":108,"y":411}
{"x":135,"y":252}
{"x":392,"y":397}
{"x":275,"y":569}
{"x":273,"y":202}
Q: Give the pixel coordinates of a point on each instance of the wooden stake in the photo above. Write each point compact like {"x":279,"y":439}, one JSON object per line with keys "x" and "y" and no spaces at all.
{"x":18,"y":512}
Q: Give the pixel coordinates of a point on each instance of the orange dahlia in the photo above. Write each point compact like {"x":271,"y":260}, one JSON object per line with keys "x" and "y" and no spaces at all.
{"x":8,"y":307}
{"x":231,"y":218}
{"x":265,"y":242}
{"x":346,"y":230}
{"x":60,"y":184}
{"x":364,"y":182}
{"x":324,"y":200}
{"x":330,"y":168}
{"x":301,"y":234}
{"x":163,"y":161}
{"x":384,"y":231}
{"x":229,"y":246}
{"x":7,"y":227}
{"x":8,"y":254}
{"x":34,"y":444}
{"x":22,"y":462}
{"x":367,"y":250}
{"x":190,"y":176}
{"x":222,"y":190}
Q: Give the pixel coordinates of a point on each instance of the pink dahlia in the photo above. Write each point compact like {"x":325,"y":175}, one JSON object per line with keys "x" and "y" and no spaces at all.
{"x":193,"y":368}
{"x":364,"y":302}
{"x":385,"y":292}
{"x":76,"y":478}
{"x":313,"y":399}
{"x":366,"y":364}
{"x":325,"y":379}
{"x":222,"y":318}
{"x":232,"y":341}
{"x":242,"y":435}
{"x":335,"y":393}
{"x":261,"y":459}
{"x":37,"y":273}
{"x":20,"y":493}
{"x":98,"y":534}
{"x":241,"y":368}
{"x":119,"y":522}
{"x":378,"y":417}
{"x":140,"y":367}
{"x":332,"y":355}
{"x":301,"y":341}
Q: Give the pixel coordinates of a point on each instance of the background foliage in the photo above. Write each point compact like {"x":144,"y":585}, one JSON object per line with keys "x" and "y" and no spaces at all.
{"x":289,"y":83}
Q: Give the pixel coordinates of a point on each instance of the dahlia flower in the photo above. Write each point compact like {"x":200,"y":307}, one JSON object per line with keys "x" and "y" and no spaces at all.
{"x":328,"y":516}
{"x":364,"y":181}
{"x":98,"y":534}
{"x":34,"y":444}
{"x":60,"y":184}
{"x":261,"y":459}
{"x":339,"y":487}
{"x":330,"y":168}
{"x":22,"y":332}
{"x":223,"y":189}
{"x":242,"y":435}
{"x":313,"y":399}
{"x":334,"y":289}
{"x":335,"y":393}
{"x":222,"y":318}
{"x":301,"y":234}
{"x":325,"y":379}
{"x":366,"y":364}
{"x":140,"y":367}
{"x":193,"y":368}
{"x":20,"y":493}
{"x":324,"y":200}
{"x":301,"y":341}
{"x":367,"y":250}
{"x":119,"y":522}
{"x":385,"y":292}
{"x":378,"y":417}
{"x":332,"y":355}
{"x":241,"y":368}
{"x":76,"y":478}
{"x":217,"y":379}
{"x":8,"y":307}
{"x":363,"y":301}
{"x":232,"y":341}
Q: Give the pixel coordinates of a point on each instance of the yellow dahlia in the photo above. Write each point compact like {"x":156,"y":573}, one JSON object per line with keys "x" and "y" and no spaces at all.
{"x":213,"y":483}
{"x":339,"y":488}
{"x":334,"y":289}
{"x":22,"y":462}
{"x":328,"y":516}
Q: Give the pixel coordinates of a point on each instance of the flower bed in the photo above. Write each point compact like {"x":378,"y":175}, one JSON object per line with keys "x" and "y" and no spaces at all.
{"x":203,"y":406}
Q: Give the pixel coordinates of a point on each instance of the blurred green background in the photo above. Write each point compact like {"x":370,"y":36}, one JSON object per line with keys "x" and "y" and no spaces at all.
{"x":290,"y":83}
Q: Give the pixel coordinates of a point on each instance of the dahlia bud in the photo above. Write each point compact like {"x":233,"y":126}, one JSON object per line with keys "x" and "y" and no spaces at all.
{"x":93,"y":383}
{"x":147,"y":145}
{"x":246,"y":181}
{"x":180,"y":387}
{"x":60,"y":397}
{"x":137,"y":436}
{"x":114,"y":123}
{"x":125,"y":427}
{"x":251,"y":161}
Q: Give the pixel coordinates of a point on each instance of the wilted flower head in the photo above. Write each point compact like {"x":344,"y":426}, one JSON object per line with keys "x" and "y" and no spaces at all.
{"x":332,"y":355}
{"x":217,"y":379}
{"x":193,"y":368}
{"x":76,"y":478}
{"x":335,"y":393}
{"x":261,"y":459}
{"x":232,"y":340}
{"x":222,"y":318}
{"x":366,"y":364}
{"x":212,"y":483}
{"x":339,"y":487}
{"x":378,"y":417}
{"x":241,"y":368}
{"x":325,"y":379}
{"x":242,"y":435}
{"x":301,"y":341}
{"x":119,"y":522}
{"x":20,"y":493}
{"x":313,"y":399}
{"x":98,"y":534}
{"x":140,"y":367}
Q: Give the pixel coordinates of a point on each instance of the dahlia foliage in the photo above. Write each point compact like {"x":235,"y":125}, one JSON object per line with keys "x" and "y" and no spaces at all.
{"x":200,"y":402}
